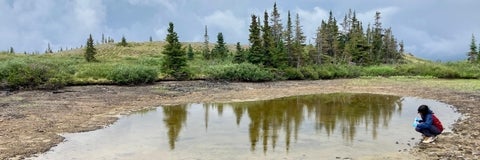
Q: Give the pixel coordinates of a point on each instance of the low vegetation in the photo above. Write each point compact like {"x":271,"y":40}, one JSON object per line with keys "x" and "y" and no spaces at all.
{"x":141,"y":63}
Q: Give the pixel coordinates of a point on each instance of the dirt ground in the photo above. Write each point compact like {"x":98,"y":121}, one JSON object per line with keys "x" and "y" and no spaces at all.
{"x":31,"y":121}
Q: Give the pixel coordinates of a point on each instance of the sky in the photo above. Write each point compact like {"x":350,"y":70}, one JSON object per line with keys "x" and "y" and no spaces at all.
{"x":438,"y":30}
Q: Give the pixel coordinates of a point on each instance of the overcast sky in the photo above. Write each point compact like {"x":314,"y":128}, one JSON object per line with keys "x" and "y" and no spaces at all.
{"x":431,"y":29}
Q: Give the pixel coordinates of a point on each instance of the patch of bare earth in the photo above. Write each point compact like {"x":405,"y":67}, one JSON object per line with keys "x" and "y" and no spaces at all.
{"x":31,"y":121}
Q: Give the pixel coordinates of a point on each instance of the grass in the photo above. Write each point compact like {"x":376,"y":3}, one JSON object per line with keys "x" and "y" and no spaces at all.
{"x":463,"y":85}
{"x":140,"y":63}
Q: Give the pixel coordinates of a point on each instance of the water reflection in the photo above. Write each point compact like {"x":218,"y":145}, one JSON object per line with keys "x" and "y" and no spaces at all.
{"x":272,"y":119}
{"x":175,"y":119}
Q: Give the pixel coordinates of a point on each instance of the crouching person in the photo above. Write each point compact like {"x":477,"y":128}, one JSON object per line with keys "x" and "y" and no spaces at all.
{"x":430,"y":126}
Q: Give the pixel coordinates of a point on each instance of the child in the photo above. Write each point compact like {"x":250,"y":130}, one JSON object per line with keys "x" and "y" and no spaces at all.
{"x":429,"y":125}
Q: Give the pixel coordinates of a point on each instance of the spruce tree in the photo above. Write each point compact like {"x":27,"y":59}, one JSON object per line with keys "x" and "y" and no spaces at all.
{"x":377,"y":41}
{"x":190,"y":53}
{"x":299,"y":42}
{"x":473,"y":54}
{"x":49,"y":49}
{"x":123,"y":42}
{"x":478,"y":54}
{"x":279,"y":56}
{"x":240,"y":56}
{"x":103,"y":38}
{"x":401,"y":45}
{"x":206,"y":50}
{"x":318,"y":46}
{"x":357,"y":47}
{"x":175,"y":61}
{"x":268,"y":42}
{"x":332,"y":33}
{"x":255,"y":52}
{"x":220,"y":50}
{"x":289,"y":40}
{"x":390,"y":48}
{"x":277,"y":28}
{"x":90,"y":50}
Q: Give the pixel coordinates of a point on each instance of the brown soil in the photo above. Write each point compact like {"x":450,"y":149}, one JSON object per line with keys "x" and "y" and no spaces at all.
{"x":31,"y":121}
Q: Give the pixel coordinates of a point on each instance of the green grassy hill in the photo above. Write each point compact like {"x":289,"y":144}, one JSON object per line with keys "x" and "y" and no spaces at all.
{"x":140,"y":63}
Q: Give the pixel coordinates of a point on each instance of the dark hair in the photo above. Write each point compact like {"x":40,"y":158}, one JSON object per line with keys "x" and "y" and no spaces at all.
{"x":423,"y":109}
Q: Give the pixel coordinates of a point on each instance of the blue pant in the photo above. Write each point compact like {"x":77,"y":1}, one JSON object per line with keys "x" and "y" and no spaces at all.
{"x":431,"y":131}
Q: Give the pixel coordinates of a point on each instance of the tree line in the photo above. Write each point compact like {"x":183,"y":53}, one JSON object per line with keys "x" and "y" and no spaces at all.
{"x":273,"y":46}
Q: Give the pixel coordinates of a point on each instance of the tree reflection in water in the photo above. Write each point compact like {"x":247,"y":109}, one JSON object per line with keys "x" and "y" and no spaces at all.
{"x":272,"y":118}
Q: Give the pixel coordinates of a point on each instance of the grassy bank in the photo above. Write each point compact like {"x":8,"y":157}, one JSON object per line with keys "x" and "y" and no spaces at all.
{"x":140,"y":63}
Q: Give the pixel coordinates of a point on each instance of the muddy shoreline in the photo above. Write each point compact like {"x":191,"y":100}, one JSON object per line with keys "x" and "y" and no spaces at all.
{"x":31,"y":121}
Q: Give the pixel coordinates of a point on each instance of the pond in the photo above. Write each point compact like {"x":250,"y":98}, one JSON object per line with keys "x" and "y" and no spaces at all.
{"x":325,"y":126}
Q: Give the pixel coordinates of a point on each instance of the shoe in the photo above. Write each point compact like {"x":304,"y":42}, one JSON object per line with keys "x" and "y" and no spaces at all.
{"x":429,"y":139}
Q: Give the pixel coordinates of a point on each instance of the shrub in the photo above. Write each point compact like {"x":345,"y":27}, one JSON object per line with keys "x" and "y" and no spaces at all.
{"x":293,"y":74}
{"x":24,"y":73}
{"x":325,"y":73}
{"x":310,"y":73}
{"x":385,"y":71}
{"x":130,"y":75}
{"x":435,"y":70}
{"x":240,"y":72}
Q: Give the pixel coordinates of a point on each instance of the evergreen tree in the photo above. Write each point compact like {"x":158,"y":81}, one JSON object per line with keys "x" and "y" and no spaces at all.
{"x":268,"y":42}
{"x":190,"y":53}
{"x":317,"y":59}
{"x":123,"y":42}
{"x":240,"y":56}
{"x":298,"y":43}
{"x":255,"y":51}
{"x":220,"y":50}
{"x":49,"y":49}
{"x":103,"y":38}
{"x":478,"y":54}
{"x":289,"y":40}
{"x":175,"y":62}
{"x":357,"y":47}
{"x":277,"y":28}
{"x":329,"y":37}
{"x":473,"y":54}
{"x":391,"y":53}
{"x":377,"y":41}
{"x":401,"y":45}
{"x":90,"y":50}
{"x":279,"y":56}
{"x":206,"y":49}
{"x":348,"y":21}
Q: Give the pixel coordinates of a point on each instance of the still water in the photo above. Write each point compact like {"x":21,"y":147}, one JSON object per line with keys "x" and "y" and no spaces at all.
{"x":326,"y":126}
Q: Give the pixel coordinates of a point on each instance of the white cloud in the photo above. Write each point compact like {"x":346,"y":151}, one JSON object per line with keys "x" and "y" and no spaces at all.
{"x":226,"y":22}
{"x":386,"y":15}
{"x":310,"y":21}
{"x":169,"y":4}
{"x":89,"y":14}
{"x":161,"y":32}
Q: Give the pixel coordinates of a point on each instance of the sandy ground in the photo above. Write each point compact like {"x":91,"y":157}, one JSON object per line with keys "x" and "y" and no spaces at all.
{"x":31,"y":121}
